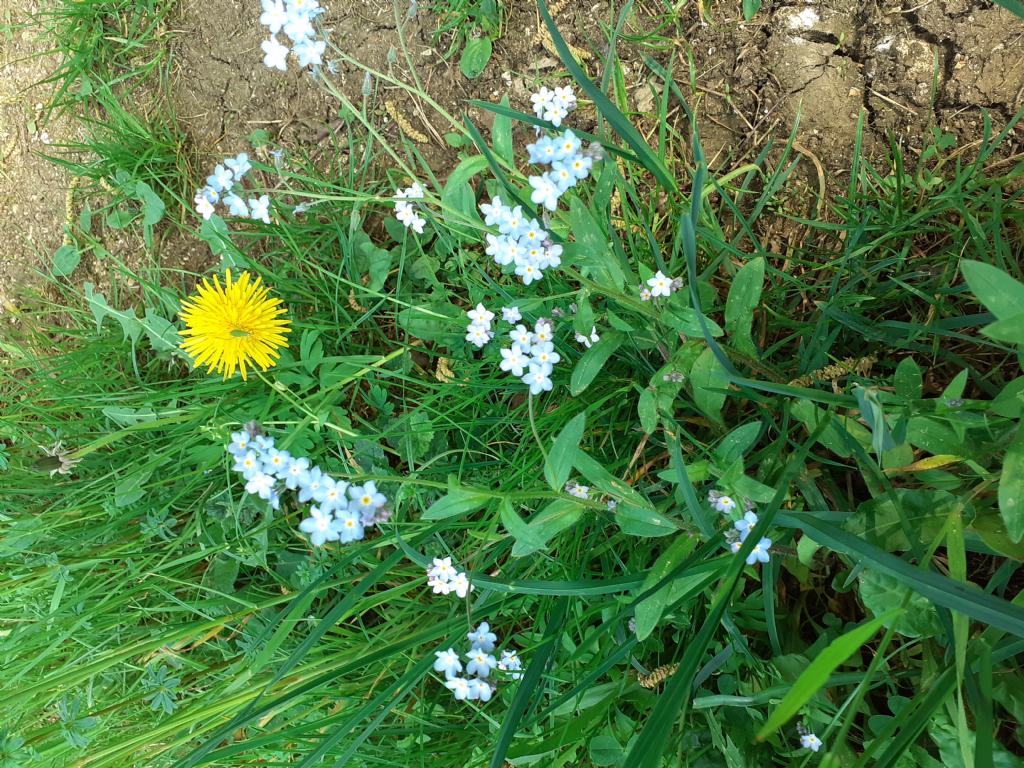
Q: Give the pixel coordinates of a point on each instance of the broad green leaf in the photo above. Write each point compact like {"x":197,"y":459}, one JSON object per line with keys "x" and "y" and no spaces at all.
{"x":526,"y":539}
{"x":738,"y":442}
{"x":152,"y":206}
{"x":999,"y":292}
{"x":65,"y":260}
{"x":908,"y":380}
{"x":687,"y":320}
{"x":637,"y":520}
{"x":120,"y":219}
{"x":880,"y":592}
{"x":458,"y":501}
{"x":647,"y":408}
{"x":590,"y":248}
{"x":1009,"y":403}
{"x":605,"y":750}
{"x":832,"y":437}
{"x":648,"y":612}
{"x":818,"y":671}
{"x":1010,"y":330}
{"x":563,"y":452}
{"x":744,"y":296}
{"x":501,"y":136}
{"x":433,"y":322}
{"x":475,"y":56}
{"x":1011,"y":489}
{"x":458,"y":201}
{"x":604,"y":481}
{"x":592,"y":361}
{"x":221,"y":574}
{"x":709,"y":380}
{"x":549,"y":522}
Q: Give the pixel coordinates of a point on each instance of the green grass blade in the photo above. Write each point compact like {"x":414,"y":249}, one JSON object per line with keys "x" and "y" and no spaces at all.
{"x":618,"y":121}
{"x":528,"y":685}
{"x":818,"y":671}
{"x":941,"y":590}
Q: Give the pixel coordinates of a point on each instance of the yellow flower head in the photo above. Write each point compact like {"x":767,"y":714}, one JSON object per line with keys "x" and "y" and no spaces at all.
{"x":231,"y":326}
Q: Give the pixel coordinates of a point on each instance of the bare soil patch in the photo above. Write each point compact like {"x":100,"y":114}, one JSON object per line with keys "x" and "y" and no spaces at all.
{"x":910,"y":67}
{"x":32,"y":189}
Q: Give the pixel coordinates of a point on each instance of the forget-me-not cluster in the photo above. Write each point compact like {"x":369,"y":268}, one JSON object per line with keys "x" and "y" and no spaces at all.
{"x":553,"y":105}
{"x":532,"y":356}
{"x":293,"y":18}
{"x":659,"y":285}
{"x":569,"y":163}
{"x":479,"y":332}
{"x":477,"y":683}
{"x":223,"y":187}
{"x":405,"y":209}
{"x":521,"y":243}
{"x":339,"y":511}
{"x":445,"y":579}
{"x":741,"y":526}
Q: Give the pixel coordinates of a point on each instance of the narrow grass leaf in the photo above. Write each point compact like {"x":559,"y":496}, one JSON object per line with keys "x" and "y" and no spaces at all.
{"x":618,"y":121}
{"x":529,"y":683}
{"x":941,"y":590}
{"x":813,"y":678}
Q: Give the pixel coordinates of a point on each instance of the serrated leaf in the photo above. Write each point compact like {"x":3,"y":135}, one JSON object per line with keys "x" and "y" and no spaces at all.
{"x":215,"y":233}
{"x":127,"y":417}
{"x":162,"y":334}
{"x":563,"y":452}
{"x":130,"y":325}
{"x":130,"y":489}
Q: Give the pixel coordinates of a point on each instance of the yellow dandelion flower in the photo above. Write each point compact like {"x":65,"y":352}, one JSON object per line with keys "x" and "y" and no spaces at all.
{"x":234,"y":326}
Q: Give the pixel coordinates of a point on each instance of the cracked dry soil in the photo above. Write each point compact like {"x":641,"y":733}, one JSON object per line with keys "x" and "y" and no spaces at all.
{"x":909,"y":67}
